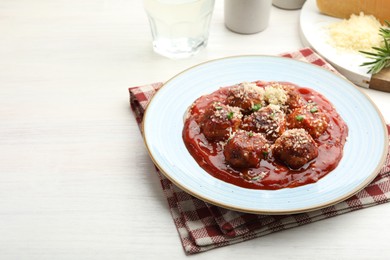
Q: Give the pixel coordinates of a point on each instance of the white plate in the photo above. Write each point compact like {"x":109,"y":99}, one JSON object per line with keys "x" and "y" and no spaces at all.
{"x":364,"y":151}
{"x":314,"y":34}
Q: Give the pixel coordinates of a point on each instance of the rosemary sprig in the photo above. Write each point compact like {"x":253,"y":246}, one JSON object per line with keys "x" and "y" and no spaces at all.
{"x":385,"y":31}
{"x":381,"y":58}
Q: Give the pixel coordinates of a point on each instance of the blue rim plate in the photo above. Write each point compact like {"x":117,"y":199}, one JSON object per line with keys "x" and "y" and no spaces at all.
{"x":364,"y":152}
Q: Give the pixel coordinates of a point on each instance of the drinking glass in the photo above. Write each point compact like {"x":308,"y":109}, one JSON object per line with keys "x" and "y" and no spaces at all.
{"x":180,"y":28}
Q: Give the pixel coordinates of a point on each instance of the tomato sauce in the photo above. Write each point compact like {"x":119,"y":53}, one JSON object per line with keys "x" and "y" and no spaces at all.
{"x":209,"y":155}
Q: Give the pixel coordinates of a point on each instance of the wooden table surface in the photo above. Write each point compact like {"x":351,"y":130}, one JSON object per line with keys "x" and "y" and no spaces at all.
{"x":76,"y":181}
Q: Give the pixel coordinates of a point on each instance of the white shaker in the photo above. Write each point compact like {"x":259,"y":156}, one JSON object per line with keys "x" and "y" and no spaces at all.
{"x":247,"y":16}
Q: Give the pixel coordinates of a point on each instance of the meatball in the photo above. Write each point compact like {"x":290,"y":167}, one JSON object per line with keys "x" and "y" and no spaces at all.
{"x":246,"y":149}
{"x":219,"y":121}
{"x":247,"y":96}
{"x":294,"y":99}
{"x":310,"y":118}
{"x":269,"y":120}
{"x":284,"y":95}
{"x":295,"y":148}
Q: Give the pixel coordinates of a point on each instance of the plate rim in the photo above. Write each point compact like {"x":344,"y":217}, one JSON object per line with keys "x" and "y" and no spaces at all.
{"x":318,"y":206}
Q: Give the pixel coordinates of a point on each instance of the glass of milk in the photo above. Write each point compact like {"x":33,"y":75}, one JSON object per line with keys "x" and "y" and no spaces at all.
{"x":180,"y":28}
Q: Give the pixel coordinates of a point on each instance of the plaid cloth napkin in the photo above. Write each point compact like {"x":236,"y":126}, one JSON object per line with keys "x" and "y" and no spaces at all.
{"x":203,"y":226}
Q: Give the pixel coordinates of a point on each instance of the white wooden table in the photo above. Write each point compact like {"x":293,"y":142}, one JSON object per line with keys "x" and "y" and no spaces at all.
{"x":75,"y":179}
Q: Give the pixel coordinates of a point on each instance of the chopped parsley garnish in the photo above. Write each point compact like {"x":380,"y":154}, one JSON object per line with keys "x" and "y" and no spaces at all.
{"x":299,"y":117}
{"x":250,"y":134}
{"x":314,"y":110}
{"x":256,"y":178}
{"x":230,"y":115}
{"x":256,"y":107}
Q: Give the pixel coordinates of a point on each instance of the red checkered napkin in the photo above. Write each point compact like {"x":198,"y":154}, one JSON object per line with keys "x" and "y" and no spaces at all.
{"x":203,"y":226}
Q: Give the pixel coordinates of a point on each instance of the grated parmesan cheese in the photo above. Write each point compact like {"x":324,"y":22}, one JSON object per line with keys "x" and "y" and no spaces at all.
{"x":358,"y":33}
{"x":275,"y":95}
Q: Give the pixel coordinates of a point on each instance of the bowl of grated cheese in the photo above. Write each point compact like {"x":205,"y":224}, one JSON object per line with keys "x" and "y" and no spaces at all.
{"x":340,"y":40}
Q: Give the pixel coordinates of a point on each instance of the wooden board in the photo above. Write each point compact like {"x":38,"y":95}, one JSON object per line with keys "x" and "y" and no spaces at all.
{"x":381,"y":80}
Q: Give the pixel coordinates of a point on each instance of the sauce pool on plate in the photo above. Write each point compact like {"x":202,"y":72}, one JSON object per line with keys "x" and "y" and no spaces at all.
{"x":265,"y":135}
